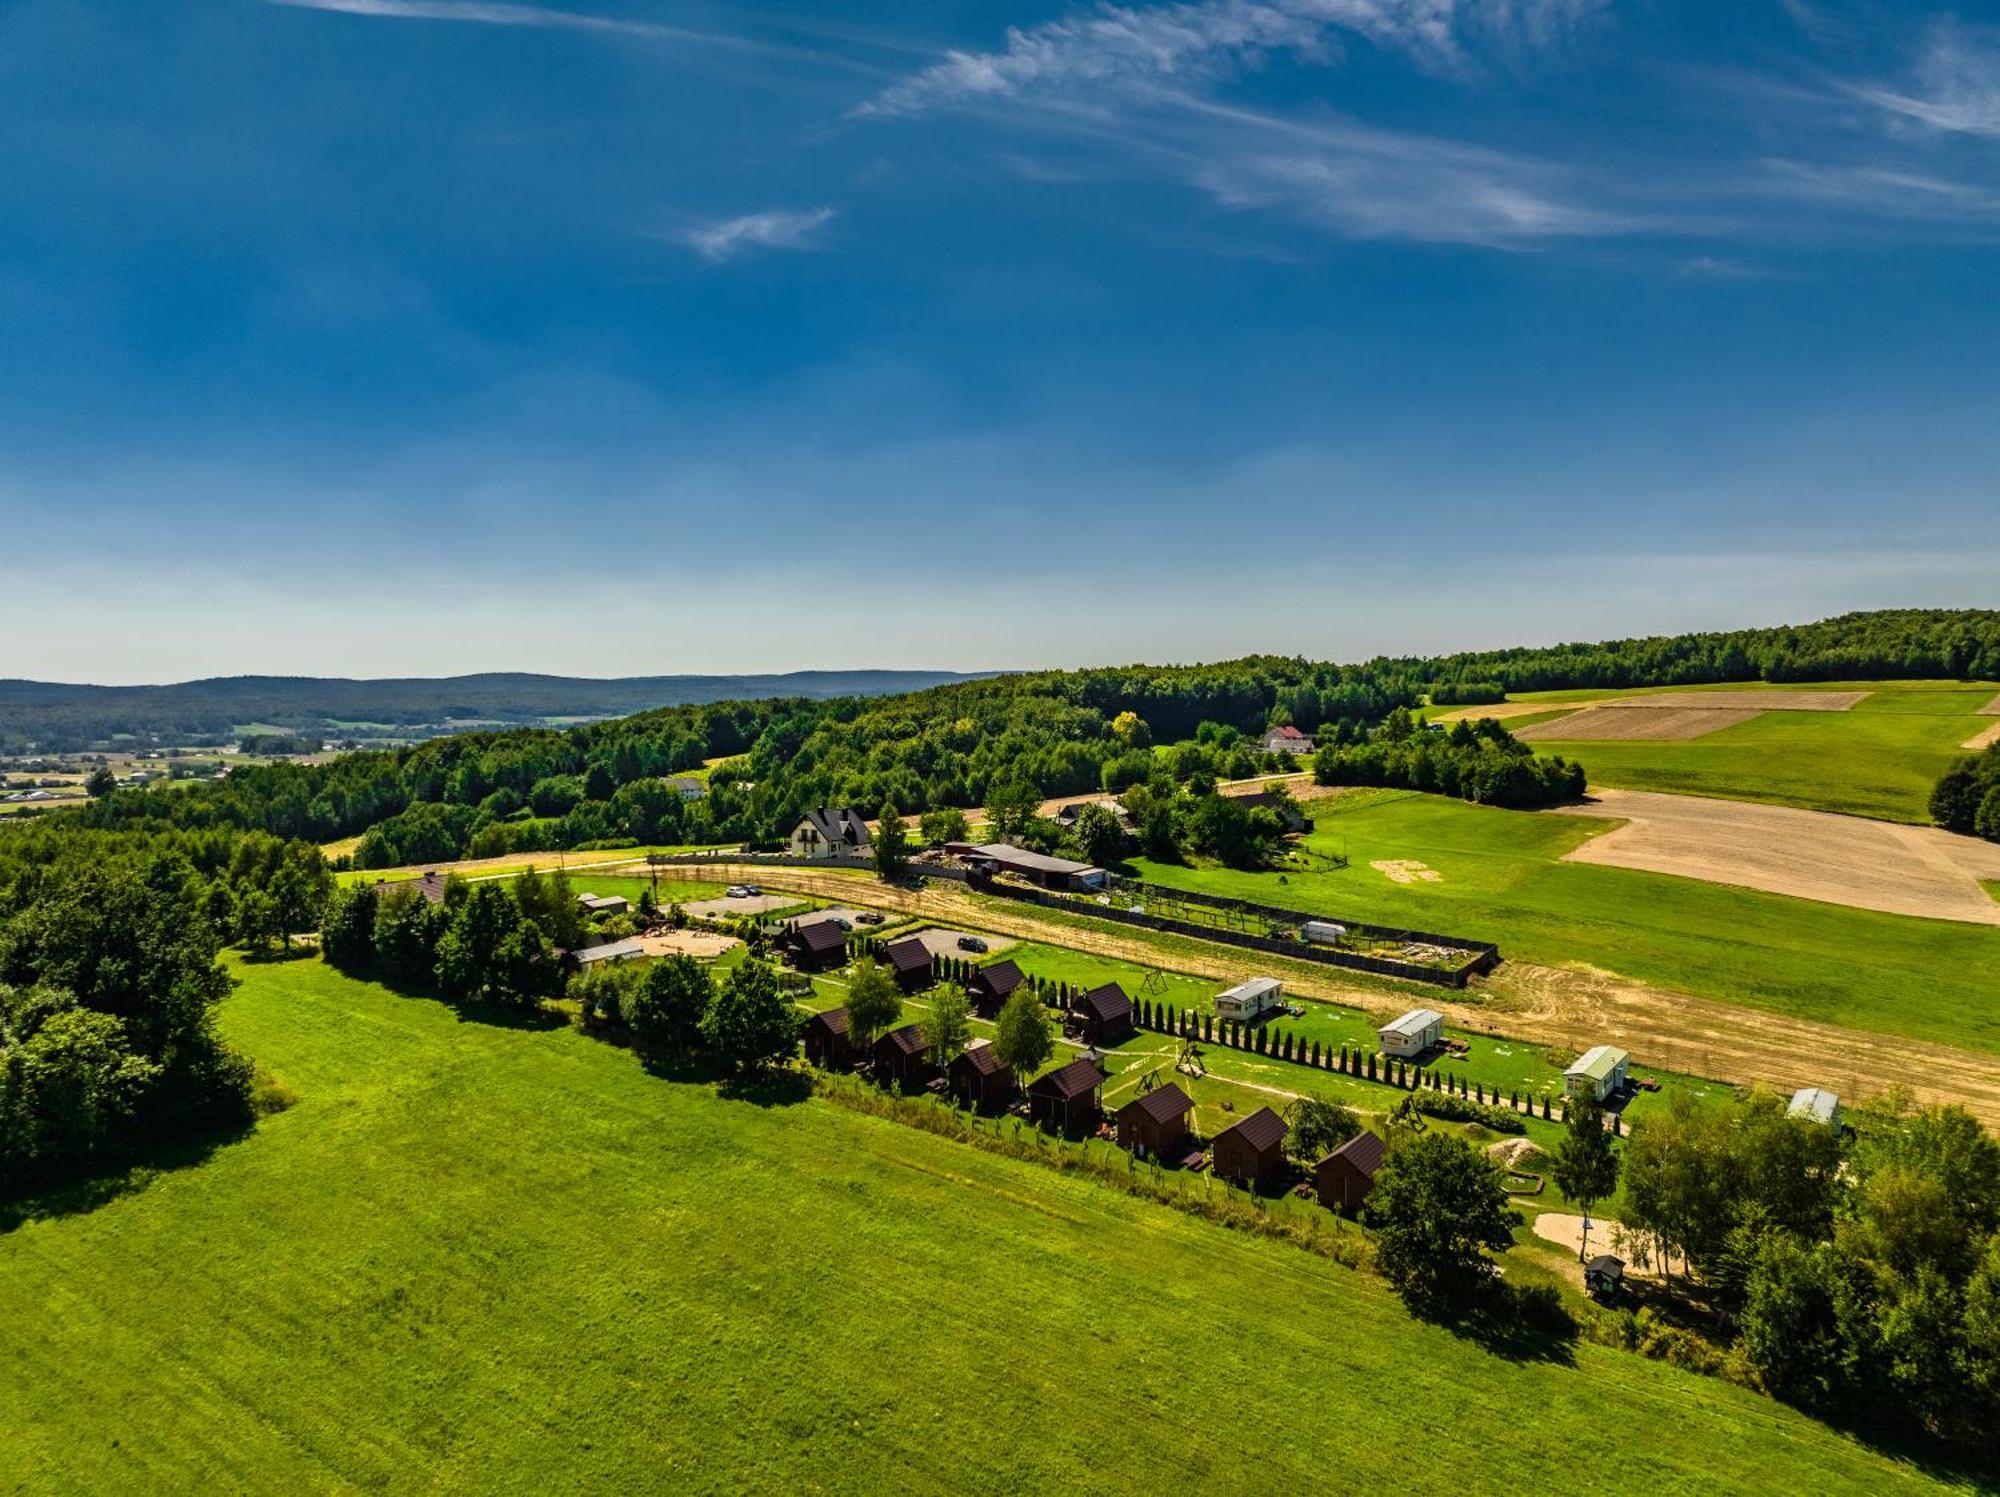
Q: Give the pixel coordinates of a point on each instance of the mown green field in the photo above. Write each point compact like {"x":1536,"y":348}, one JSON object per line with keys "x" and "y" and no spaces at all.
{"x":1879,"y":758}
{"x":486,"y":1258}
{"x":1501,"y":879}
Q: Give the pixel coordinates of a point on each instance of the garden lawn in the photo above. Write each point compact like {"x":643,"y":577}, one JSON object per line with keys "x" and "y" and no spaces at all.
{"x":1501,"y":879}
{"x":496,"y":1258}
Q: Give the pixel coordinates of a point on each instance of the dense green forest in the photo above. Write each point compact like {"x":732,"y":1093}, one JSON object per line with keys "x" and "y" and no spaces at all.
{"x":1898,"y":644}
{"x":970,"y":743}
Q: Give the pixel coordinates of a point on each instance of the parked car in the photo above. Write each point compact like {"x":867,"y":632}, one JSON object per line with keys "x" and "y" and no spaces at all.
{"x":868,"y":917}
{"x":843,"y":922}
{"x":971,"y":943}
{"x":737,"y":891}
{"x":753,"y":890}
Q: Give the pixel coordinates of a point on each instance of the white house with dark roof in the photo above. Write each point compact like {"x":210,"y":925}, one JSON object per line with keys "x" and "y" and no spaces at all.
{"x":830,"y":831}
{"x":1287,"y":740}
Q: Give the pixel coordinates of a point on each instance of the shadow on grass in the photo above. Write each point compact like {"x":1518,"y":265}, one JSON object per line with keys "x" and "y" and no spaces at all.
{"x":777,"y":1086}
{"x":110,"y":1183}
{"x":1511,"y":1323}
{"x":276,"y":955}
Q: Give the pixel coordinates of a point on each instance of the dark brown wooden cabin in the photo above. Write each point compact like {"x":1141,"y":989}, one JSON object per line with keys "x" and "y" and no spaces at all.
{"x":909,"y":962}
{"x":1343,"y":1179}
{"x":1065,"y":1100}
{"x":980,"y":1079}
{"x":902,"y":1057}
{"x":1104,"y":1015}
{"x":830,"y":1040}
{"x":992,"y":986}
{"x":1251,"y":1150}
{"x":817,"y":946}
{"x":1155,"y":1125}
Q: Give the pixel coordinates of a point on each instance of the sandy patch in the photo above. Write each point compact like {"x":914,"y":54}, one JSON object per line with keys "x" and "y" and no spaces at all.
{"x":706,"y":945}
{"x":1606,"y":1236}
{"x":1509,"y":1152}
{"x":1868,"y":865}
{"x":1983,"y":737}
{"x":1991,"y":709}
{"x":1406,"y":871}
{"x":1753,"y":701}
{"x":1611,"y":723}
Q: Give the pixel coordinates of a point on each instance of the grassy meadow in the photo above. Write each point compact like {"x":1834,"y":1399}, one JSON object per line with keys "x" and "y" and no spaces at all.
{"x":1500,"y":878}
{"x":1879,"y":758}
{"x":507,"y":1258}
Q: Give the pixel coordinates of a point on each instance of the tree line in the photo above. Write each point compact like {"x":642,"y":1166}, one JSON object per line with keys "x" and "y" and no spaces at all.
{"x":1476,"y":760}
{"x":1967,"y":796}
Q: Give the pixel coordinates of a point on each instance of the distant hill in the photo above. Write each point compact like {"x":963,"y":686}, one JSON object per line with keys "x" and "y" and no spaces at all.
{"x":55,"y":716}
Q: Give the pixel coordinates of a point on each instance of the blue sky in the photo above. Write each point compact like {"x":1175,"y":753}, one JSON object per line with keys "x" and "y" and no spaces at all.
{"x":618,"y":336}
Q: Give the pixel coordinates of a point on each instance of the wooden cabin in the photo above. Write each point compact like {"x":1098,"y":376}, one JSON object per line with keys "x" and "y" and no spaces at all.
{"x":1066,"y":1099}
{"x":1156,"y":1125}
{"x":830,"y":1040}
{"x":1251,"y":1150}
{"x":992,"y":986}
{"x":909,"y":962}
{"x":817,"y":946}
{"x":980,"y":1079}
{"x":1104,"y":1015}
{"x":1343,"y":1179}
{"x":902,"y":1057}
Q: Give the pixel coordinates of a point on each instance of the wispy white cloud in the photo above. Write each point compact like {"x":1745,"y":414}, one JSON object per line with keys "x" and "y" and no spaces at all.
{"x":491,"y":13}
{"x":772,"y":229}
{"x":1115,"y":46}
{"x":1955,"y":85}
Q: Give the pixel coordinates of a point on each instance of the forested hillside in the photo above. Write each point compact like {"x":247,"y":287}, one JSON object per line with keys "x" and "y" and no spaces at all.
{"x":1011,"y":739}
{"x":57,"y":717}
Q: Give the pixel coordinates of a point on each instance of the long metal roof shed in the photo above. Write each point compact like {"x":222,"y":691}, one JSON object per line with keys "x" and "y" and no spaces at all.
{"x":1598,"y":1062}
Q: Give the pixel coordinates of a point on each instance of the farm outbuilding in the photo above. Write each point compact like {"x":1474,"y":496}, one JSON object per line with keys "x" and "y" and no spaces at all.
{"x":609,"y":951}
{"x":604,"y":904}
{"x":1104,"y":1015}
{"x":1066,"y":1098}
{"x":991,"y":986}
{"x":1343,"y":1179}
{"x":1157,"y":1123}
{"x":1251,"y":1150}
{"x":1413,"y":1034}
{"x":1323,"y":932}
{"x":431,"y":886}
{"x":1600,"y":1070}
{"x":1035,"y":867}
{"x":829,"y":1038}
{"x":1247,"y":1000}
{"x":980,"y":1079}
{"x":1816,"y":1105}
{"x":902,"y":1056}
{"x":1604,"y":1276}
{"x":817,"y":946}
{"x":909,"y":962}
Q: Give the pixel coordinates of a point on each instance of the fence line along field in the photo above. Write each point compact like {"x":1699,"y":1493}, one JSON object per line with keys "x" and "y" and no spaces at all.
{"x":536,"y":1267}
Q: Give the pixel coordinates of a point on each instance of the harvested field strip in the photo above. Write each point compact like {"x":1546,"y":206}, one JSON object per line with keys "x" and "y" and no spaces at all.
{"x":1868,"y":865}
{"x":1991,"y":709}
{"x":1983,"y":738}
{"x":1568,"y":1007}
{"x":1754,"y":701}
{"x":1665,"y":724}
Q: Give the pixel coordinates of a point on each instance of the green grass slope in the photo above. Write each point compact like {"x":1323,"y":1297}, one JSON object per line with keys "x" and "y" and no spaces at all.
{"x":1501,"y":879}
{"x":479,"y":1258}
{"x":1879,"y":758}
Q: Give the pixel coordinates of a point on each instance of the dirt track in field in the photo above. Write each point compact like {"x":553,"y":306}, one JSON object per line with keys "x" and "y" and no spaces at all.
{"x":1504,"y":710}
{"x":1982,"y":738}
{"x":1660,"y":724}
{"x":1848,"y":860}
{"x":1566,"y":1009}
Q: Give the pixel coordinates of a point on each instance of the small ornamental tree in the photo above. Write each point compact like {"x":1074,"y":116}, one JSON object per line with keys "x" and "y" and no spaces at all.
{"x":874,"y":1003}
{"x":1318,"y":1127}
{"x":949,"y":1025}
{"x":1022,"y":1035}
{"x":1585,"y":1167}
{"x":1438,"y":1209}
{"x":892,"y":844}
{"x":666,"y":1011}
{"x":750,"y":1025}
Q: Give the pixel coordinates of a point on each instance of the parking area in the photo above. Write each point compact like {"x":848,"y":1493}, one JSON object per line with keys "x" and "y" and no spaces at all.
{"x":945,"y":942}
{"x":852,"y":917}
{"x":725,"y":906}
